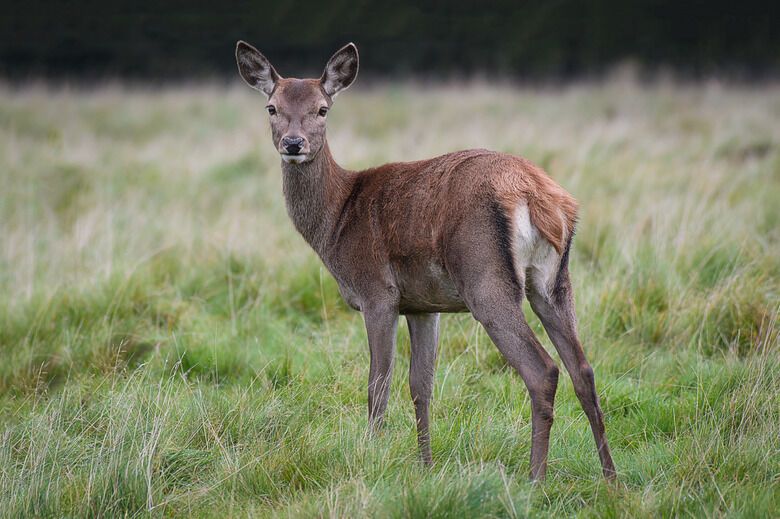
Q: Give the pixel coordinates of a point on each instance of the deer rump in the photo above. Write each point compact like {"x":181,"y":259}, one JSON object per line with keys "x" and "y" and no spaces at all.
{"x":414,"y":210}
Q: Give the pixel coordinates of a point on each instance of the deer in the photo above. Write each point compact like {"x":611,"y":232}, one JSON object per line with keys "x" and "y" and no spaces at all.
{"x":471,"y":231}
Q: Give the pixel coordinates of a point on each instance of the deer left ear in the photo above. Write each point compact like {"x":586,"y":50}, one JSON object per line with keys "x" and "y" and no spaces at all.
{"x":341,"y":70}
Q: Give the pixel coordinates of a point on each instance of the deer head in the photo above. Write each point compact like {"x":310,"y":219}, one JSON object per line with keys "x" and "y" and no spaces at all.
{"x":298,"y":108}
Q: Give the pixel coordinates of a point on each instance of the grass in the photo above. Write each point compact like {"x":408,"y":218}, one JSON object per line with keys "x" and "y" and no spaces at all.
{"x":170,"y":346}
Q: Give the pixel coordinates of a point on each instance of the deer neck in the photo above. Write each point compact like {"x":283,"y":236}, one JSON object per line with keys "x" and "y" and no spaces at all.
{"x":315,"y":192}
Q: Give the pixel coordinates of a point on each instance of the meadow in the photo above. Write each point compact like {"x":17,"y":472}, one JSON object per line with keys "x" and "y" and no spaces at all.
{"x":169,"y":346}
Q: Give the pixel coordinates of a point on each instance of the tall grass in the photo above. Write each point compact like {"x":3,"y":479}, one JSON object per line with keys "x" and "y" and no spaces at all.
{"x":171,"y":347}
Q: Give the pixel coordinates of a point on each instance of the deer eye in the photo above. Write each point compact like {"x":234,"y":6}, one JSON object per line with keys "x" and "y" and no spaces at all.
{"x":271,"y":110}
{"x":323,"y":112}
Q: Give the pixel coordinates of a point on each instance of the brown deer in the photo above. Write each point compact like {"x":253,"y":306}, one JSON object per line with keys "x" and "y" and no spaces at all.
{"x":470,"y":231}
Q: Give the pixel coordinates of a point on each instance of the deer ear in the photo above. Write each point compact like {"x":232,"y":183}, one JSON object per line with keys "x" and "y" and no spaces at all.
{"x":341,"y":70}
{"x":255,"y":69}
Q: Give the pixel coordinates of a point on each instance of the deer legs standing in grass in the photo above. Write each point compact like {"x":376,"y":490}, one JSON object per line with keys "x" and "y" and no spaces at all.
{"x":470,"y":231}
{"x":560,"y":323}
{"x":424,"y":336}
{"x":381,"y":324}
{"x":423,"y":332}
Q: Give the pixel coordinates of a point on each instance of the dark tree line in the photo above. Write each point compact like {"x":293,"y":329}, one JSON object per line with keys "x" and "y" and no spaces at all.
{"x":553,"y":38}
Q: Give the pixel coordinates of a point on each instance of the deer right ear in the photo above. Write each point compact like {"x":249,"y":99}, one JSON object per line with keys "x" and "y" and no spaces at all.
{"x":255,"y":69}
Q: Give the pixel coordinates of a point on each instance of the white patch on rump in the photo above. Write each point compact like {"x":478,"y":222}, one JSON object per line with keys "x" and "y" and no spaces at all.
{"x":532,"y":253}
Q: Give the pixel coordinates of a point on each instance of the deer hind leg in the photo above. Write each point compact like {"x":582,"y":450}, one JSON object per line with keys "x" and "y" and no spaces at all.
{"x":494,"y":297}
{"x":552,"y":299}
{"x":497,"y":305}
{"x":503,"y":319}
{"x":424,"y":335}
{"x":491,"y":286}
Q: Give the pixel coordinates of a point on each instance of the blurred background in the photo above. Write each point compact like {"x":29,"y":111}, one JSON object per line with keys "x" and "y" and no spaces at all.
{"x":517,"y":39}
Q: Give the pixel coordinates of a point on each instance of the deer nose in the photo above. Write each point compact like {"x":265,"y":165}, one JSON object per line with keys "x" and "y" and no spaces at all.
{"x":292,"y":145}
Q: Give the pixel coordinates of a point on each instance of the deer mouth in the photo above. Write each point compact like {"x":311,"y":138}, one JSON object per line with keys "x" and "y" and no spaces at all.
{"x":294,"y":159}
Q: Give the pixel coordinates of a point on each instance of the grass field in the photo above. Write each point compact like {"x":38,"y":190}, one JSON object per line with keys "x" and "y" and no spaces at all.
{"x":170,"y":347}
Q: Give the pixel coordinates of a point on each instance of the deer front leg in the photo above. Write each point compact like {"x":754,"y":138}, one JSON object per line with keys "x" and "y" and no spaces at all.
{"x":424,"y":335}
{"x":381,"y":323}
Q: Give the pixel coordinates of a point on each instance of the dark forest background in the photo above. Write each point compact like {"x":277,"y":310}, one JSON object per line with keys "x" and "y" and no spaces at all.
{"x":554,"y":38}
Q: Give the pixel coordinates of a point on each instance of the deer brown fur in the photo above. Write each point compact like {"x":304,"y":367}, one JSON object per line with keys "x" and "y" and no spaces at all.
{"x":472,"y":231}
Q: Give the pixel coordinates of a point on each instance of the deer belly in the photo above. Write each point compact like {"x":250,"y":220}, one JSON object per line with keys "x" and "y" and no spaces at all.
{"x":427,"y":288}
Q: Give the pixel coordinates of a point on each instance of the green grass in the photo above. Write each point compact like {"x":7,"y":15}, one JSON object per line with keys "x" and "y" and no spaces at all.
{"x":170,"y":346}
